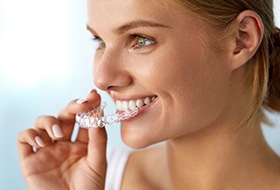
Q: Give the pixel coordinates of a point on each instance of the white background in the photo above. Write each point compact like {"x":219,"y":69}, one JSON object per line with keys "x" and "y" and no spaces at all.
{"x":45,"y":61}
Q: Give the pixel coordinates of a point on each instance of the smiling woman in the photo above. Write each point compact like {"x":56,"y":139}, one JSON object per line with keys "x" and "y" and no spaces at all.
{"x":199,"y":78}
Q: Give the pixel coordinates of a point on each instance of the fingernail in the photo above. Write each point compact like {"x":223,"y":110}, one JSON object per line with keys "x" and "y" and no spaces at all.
{"x":39,"y":141}
{"x":57,"y":131}
{"x":80,"y":101}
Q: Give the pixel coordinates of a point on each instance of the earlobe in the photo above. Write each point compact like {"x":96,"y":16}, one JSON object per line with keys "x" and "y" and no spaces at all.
{"x":249,"y":35}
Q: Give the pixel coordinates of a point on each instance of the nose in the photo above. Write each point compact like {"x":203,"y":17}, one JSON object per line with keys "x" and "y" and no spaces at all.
{"x":110,"y":72}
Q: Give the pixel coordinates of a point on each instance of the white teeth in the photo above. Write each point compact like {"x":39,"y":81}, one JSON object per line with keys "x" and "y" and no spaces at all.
{"x":125,"y":105}
{"x":139,"y":103}
{"x":119,"y":105}
{"x":132,"y":104}
{"x":147,"y":101}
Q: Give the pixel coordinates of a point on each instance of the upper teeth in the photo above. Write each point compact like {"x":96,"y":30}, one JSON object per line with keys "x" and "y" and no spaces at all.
{"x":126,"y":105}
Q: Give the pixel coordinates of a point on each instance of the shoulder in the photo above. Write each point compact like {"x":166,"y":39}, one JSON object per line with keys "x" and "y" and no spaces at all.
{"x":143,"y":168}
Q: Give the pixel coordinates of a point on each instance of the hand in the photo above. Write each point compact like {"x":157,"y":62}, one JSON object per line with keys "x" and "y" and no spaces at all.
{"x":58,"y":163}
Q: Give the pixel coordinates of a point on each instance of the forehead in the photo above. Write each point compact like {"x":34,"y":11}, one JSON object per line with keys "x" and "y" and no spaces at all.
{"x":117,"y":12}
{"x":130,"y":7}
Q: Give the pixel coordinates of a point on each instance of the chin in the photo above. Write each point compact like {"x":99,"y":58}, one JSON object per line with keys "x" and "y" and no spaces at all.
{"x":142,"y":130}
{"x":137,"y":138}
{"x":133,"y":141}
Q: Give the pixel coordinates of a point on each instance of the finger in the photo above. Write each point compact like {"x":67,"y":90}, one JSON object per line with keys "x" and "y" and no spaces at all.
{"x":67,"y":116}
{"x":27,"y":140}
{"x":45,"y":137}
{"x":94,"y":100}
{"x":51,"y":125}
{"x":97,"y":150}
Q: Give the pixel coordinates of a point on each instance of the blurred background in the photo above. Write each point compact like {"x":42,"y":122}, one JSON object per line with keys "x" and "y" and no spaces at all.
{"x":46,"y":58}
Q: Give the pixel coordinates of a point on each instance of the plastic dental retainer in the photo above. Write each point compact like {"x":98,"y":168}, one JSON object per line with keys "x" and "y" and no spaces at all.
{"x":95,"y":118}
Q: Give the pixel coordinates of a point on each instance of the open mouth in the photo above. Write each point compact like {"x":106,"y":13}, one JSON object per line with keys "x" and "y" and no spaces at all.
{"x":131,"y":104}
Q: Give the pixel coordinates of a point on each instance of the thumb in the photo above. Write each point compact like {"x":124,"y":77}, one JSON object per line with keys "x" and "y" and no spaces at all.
{"x":97,"y":150}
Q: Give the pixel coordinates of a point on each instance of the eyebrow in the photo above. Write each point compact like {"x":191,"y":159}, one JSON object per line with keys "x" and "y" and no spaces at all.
{"x":134,"y":24}
{"x":139,"y":23}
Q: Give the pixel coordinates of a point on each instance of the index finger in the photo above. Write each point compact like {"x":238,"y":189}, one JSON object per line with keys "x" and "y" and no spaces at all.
{"x":67,"y":115}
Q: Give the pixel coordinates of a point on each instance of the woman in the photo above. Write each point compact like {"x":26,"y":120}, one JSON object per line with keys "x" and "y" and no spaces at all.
{"x":206,"y":69}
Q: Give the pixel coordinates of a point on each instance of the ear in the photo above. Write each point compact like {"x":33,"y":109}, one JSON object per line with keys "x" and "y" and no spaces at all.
{"x":249,"y":34}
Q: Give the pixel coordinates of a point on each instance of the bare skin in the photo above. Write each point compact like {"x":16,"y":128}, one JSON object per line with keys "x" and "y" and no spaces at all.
{"x":224,"y":162}
{"x":59,"y":163}
{"x":200,"y":100}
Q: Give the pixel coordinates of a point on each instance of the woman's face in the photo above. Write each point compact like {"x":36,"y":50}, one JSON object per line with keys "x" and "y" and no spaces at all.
{"x":157,"y":49}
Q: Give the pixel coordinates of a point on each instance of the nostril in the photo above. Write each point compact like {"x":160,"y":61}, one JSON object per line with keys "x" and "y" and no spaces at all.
{"x":106,"y":83}
{"x":112,"y":81}
{"x":110,"y":87}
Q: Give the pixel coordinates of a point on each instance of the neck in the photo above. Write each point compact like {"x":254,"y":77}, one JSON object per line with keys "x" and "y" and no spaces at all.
{"x":219,"y":157}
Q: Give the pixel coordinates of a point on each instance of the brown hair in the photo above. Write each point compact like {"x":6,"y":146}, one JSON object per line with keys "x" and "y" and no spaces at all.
{"x":263,"y":77}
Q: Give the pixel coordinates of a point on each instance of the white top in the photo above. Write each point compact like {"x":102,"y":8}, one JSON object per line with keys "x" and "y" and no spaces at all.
{"x":116,"y":159}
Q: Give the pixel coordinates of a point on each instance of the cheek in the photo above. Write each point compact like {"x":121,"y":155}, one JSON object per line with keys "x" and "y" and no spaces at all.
{"x":193,"y":88}
{"x":173,"y":70}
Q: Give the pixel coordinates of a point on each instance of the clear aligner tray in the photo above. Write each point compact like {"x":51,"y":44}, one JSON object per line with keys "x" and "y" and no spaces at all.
{"x":95,"y":118}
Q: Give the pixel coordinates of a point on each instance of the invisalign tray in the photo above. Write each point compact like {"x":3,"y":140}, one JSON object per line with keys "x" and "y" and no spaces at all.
{"x":95,"y":118}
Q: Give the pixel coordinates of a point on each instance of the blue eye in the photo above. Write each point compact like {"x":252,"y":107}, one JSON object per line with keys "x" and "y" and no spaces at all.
{"x":141,"y":42}
{"x":100,"y":43}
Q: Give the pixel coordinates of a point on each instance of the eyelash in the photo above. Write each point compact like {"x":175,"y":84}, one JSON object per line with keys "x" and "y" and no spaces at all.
{"x":101,"y":43}
{"x":135,"y":42}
